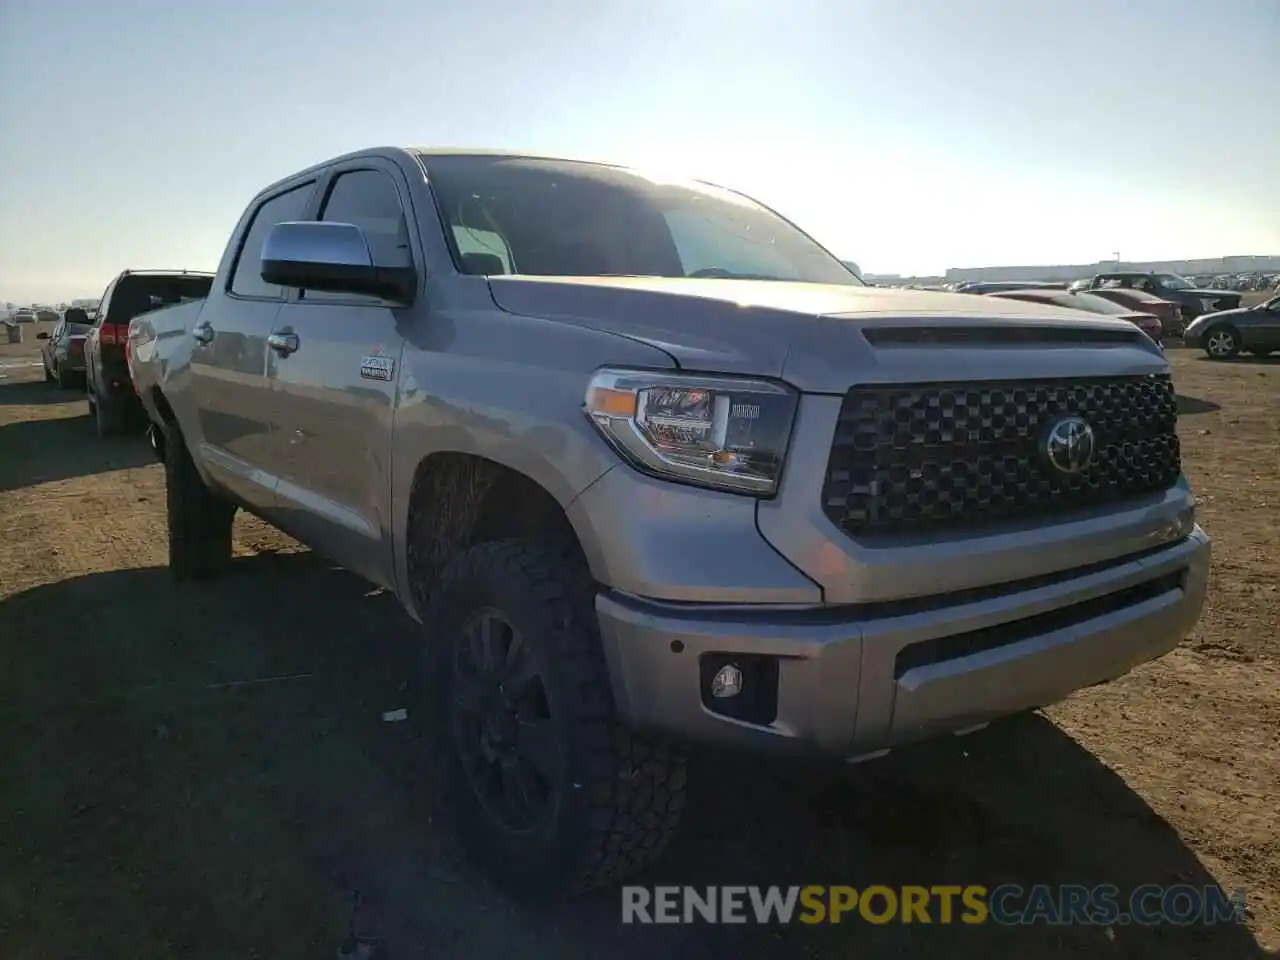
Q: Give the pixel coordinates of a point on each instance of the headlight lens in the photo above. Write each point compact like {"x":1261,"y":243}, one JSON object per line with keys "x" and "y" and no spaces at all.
{"x":721,"y":432}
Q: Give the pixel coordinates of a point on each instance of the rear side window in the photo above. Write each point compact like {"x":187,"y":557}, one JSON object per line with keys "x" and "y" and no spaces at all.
{"x":246,"y":279}
{"x":105,"y":303}
{"x":138,"y":293}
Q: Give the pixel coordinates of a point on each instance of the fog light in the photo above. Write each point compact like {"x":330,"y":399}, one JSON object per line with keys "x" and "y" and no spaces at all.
{"x":727,"y":682}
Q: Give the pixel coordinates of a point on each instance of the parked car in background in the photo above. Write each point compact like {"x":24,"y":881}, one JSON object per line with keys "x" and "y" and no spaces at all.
{"x":1170,"y":313}
{"x":1146,"y":322}
{"x":112,"y":401}
{"x":1169,"y":286}
{"x":552,"y":405}
{"x":24,"y":315}
{"x":1225,"y":334}
{"x":1000,"y":286}
{"x":63,"y":349}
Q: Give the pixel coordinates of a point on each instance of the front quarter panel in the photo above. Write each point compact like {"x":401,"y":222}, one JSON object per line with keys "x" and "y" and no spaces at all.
{"x":475,"y":380}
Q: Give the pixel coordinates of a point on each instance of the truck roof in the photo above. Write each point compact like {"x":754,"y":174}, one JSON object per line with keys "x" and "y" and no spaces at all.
{"x":416,"y":153}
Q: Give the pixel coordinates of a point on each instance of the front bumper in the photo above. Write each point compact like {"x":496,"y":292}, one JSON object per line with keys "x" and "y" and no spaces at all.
{"x":852,"y":680}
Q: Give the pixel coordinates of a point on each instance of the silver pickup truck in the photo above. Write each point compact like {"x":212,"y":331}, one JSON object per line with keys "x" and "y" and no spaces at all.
{"x":652,"y":468}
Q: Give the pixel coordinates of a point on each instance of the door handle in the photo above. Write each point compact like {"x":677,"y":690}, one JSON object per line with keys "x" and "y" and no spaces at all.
{"x":283,"y":343}
{"x":203,"y":333}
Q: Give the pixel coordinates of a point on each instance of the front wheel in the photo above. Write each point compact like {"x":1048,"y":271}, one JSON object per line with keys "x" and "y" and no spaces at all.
{"x":549,"y":792}
{"x":1222,"y":343}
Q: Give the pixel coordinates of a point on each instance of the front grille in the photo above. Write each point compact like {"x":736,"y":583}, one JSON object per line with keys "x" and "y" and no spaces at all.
{"x":952,"y":455}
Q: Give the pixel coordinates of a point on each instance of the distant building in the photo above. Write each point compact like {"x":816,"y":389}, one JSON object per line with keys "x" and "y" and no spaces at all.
{"x":1082,"y":271}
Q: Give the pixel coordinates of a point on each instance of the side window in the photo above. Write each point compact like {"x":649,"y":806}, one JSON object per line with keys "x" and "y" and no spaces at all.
{"x":479,"y":248}
{"x":246,"y":280}
{"x":368,"y":199}
{"x":105,"y":303}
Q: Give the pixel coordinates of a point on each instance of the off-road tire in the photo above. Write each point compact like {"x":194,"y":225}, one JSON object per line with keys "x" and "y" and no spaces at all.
{"x":199,"y":520}
{"x":621,"y":794}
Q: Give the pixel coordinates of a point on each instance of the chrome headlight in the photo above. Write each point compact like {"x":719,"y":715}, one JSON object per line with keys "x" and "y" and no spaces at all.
{"x":727,"y":433}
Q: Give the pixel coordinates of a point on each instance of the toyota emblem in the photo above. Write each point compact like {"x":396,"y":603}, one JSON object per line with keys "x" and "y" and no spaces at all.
{"x":1069,"y":445}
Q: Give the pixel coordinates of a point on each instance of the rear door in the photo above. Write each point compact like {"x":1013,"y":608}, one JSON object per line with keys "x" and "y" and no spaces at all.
{"x":229,"y":360}
{"x":334,"y":395}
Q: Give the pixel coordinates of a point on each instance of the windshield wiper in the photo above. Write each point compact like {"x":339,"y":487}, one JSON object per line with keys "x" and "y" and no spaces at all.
{"x":720,"y":273}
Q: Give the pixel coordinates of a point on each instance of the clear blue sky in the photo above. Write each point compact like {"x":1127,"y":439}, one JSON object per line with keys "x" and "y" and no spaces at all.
{"x":909,"y":135}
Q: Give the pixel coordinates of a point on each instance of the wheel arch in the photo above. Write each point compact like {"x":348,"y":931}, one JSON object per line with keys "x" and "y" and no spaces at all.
{"x":459,"y":498}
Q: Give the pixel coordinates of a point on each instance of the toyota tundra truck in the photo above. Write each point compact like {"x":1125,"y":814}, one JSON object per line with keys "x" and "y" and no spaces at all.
{"x":652,"y":469}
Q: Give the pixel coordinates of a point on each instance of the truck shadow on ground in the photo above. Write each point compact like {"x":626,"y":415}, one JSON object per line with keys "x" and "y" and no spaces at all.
{"x":204,"y":770}
{"x":37,"y":451}
{"x":30,"y":393}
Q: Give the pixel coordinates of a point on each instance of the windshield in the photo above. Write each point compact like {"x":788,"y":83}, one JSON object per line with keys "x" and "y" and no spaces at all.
{"x":1085,"y":301}
{"x":561,"y":218}
{"x":1175,"y":282}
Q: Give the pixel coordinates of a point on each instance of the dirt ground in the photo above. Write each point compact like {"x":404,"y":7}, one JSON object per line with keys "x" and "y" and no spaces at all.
{"x":204,"y":771}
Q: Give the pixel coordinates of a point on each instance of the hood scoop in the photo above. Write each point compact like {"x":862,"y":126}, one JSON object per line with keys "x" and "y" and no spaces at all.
{"x":954,"y":335}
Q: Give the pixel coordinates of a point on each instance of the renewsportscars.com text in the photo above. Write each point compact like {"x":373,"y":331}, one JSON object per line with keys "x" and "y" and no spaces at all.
{"x":1006,"y":905}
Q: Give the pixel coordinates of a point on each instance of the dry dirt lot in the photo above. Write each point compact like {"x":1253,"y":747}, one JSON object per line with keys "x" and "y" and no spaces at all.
{"x":203,"y":771}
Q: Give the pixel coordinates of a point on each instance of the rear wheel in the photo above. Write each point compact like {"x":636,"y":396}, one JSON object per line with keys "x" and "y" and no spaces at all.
{"x":199,"y":520}
{"x":65,"y":378}
{"x":1222,"y":343}
{"x":107,"y":416}
{"x":550,"y":793}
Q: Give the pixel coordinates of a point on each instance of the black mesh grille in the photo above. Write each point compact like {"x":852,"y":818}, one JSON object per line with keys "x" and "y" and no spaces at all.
{"x":949,"y":455}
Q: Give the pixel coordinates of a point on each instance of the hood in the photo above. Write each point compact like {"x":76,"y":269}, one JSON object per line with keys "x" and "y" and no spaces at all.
{"x":1213,"y":316}
{"x":811,"y":335}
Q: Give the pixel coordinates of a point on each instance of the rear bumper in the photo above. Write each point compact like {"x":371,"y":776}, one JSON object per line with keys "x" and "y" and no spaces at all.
{"x":854,"y":680}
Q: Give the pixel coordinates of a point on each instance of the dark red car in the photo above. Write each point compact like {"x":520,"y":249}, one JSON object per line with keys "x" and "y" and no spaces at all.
{"x":1170,"y":313}
{"x":1146,"y":322}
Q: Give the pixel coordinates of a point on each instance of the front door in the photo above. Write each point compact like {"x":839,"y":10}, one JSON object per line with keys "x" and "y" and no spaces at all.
{"x":1264,"y":332}
{"x":229,"y":363}
{"x":334,"y":373}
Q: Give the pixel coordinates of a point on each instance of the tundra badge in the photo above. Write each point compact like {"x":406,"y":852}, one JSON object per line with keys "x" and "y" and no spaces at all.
{"x":377,"y":368}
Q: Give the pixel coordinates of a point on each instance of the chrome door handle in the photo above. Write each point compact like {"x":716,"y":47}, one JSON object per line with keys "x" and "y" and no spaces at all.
{"x":283,"y":343}
{"x":203,"y":333}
